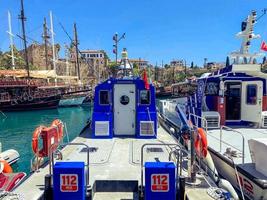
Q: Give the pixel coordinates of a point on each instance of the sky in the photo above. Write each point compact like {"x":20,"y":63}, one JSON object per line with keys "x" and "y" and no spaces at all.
{"x":156,"y":30}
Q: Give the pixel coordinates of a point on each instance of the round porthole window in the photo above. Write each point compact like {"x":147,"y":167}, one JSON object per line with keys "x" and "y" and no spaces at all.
{"x":124,"y":100}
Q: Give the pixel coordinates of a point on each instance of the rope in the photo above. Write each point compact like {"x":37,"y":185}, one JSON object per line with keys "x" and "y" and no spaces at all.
{"x":152,"y":126}
{"x":5,"y":195}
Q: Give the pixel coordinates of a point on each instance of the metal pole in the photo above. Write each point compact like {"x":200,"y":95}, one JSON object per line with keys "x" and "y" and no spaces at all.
{"x":192,"y":152}
{"x":221,"y":139}
{"x":53,"y":45}
{"x":185,"y":68}
{"x":67,"y":62}
{"x":23,"y":19}
{"x":77,"y":52}
{"x":45,"y":37}
{"x":11,"y":40}
{"x":173,"y":74}
{"x":116,"y":47}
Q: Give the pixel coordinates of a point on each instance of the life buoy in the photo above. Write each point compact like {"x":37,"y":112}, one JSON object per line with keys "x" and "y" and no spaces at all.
{"x":58,"y":123}
{"x":35,"y":141}
{"x":6,"y":167}
{"x":201,"y":143}
{"x":51,"y":136}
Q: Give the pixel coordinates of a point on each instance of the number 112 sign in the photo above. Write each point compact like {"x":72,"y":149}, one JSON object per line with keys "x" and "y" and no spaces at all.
{"x":159,"y":182}
{"x":68,"y":182}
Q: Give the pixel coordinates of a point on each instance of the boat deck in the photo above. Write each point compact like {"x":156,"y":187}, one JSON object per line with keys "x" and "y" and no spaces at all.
{"x":232,"y":139}
{"x":116,"y":159}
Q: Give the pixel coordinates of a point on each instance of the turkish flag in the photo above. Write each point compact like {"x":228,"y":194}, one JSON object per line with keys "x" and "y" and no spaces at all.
{"x":263,"y":46}
{"x":145,"y":80}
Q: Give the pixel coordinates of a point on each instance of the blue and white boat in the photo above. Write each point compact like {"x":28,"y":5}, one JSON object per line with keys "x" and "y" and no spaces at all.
{"x":123,"y":153}
{"x":231,"y":106}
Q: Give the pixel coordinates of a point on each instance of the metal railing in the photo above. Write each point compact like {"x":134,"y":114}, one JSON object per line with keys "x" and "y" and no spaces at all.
{"x":197,"y":121}
{"x":157,"y":144}
{"x":243,"y":141}
{"x":51,"y":159}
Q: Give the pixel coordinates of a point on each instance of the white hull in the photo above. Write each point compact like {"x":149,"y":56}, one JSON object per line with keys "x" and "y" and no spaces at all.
{"x":251,"y":187}
{"x":11,"y":156}
{"x":74,"y":101}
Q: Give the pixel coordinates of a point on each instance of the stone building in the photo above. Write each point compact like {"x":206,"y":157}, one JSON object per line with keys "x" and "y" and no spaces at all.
{"x":37,"y":56}
{"x":214,"y":66}
{"x":97,"y":63}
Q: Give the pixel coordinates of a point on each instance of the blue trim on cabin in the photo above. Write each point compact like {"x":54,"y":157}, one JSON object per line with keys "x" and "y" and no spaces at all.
{"x":106,"y":112}
{"x":195,"y":104}
{"x":240,"y":123}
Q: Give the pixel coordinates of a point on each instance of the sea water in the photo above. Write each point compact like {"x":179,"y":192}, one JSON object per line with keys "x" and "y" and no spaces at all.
{"x":16,"y":129}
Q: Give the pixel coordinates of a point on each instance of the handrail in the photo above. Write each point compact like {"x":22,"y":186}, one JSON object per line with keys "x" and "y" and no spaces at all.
{"x":201,"y":118}
{"x":238,"y":180}
{"x":51,"y":158}
{"x":152,"y":126}
{"x":243,"y":140}
{"x":142,"y":159}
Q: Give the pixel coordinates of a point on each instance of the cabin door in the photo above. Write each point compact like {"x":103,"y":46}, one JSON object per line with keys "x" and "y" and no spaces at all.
{"x":251,"y":104}
{"x":233,"y":101}
{"x":124,"y":109}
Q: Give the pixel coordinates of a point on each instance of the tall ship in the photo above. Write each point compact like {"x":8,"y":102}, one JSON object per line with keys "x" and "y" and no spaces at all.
{"x":25,"y":89}
{"x":230,"y":105}
{"x":26,"y":95}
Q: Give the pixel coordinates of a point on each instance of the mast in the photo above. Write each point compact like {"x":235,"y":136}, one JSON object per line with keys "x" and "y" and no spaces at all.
{"x":117,"y":39}
{"x":45,"y":38}
{"x":67,"y":62}
{"x":23,"y":19}
{"x":53,"y":45}
{"x":77,"y":52}
{"x":11,"y":40}
{"x":247,"y":35}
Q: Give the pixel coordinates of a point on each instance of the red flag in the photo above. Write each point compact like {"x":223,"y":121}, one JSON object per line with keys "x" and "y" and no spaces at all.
{"x":145,"y":80}
{"x":263,"y":46}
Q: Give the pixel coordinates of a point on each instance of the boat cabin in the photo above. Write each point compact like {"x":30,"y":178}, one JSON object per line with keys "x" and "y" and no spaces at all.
{"x":232,"y":96}
{"x":124,"y":108}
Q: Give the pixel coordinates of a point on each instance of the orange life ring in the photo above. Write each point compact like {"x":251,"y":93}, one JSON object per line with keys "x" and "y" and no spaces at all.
{"x":201,"y":143}
{"x":7,"y":167}
{"x":35,"y":138}
{"x":51,"y":136}
{"x":58,"y":123}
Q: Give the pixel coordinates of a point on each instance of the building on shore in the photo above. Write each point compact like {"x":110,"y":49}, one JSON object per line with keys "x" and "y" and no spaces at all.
{"x":140,"y":63}
{"x":37,"y":55}
{"x":97,"y":63}
{"x":178,"y":65}
{"x":214,"y":66}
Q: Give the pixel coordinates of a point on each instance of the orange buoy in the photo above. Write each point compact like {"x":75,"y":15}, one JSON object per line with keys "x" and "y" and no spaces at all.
{"x":201,"y":143}
{"x":50,"y":136}
{"x":35,"y":138}
{"x":7,"y":168}
{"x":59,"y":125}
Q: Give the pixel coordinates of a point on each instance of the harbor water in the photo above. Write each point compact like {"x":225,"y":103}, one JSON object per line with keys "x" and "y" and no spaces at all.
{"x":16,"y":129}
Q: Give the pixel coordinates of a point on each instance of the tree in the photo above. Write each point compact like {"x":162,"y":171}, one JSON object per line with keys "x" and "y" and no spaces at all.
{"x":166,"y":66}
{"x":135,"y":69}
{"x":264,"y":60}
{"x":192,"y":65}
{"x":227,"y":61}
{"x":113,"y":68}
{"x":6,"y":60}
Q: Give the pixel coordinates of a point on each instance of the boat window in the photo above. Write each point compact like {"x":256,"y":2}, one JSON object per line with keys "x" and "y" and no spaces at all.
{"x":145,"y":97}
{"x":212,"y":88}
{"x":124,"y":100}
{"x":251,"y":94}
{"x":104,"y":97}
